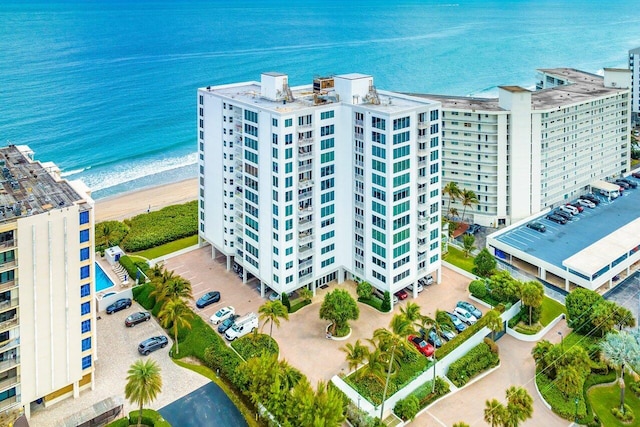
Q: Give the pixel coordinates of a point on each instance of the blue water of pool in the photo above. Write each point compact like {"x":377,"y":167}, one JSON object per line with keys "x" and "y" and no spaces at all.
{"x":102,"y":280}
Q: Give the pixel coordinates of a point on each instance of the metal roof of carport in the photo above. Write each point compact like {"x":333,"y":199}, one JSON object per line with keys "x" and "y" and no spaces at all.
{"x":604,"y":185}
{"x":600,"y":254}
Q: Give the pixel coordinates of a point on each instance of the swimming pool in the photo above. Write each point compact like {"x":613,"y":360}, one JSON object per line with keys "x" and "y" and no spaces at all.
{"x":102,"y":280}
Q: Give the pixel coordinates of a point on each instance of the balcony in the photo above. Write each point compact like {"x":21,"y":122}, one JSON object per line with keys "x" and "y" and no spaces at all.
{"x":359,"y":217}
{"x":12,"y":380}
{"x":422,"y":233}
{"x":422,"y":220}
{"x":305,"y":264}
{"x":307,"y":194}
{"x":422,"y":257}
{"x":306,"y":237}
{"x":8,"y":285}
{"x":358,"y":135}
{"x":359,"y":204}
{"x":422,"y":245}
{"x":304,"y":251}
{"x":6,"y":305}
{"x":423,"y":151}
{"x":305,"y":154}
{"x":238,"y":203}
{"x":359,"y":257}
{"x":360,"y":244}
{"x":423,"y":138}
{"x":8,"y":244}
{"x":10,"y":402}
{"x":305,"y":125}
{"x":239,"y":175}
{"x":423,"y":179}
{"x":359,"y":150}
{"x":306,"y":211}
{"x":9,"y":323}
{"x":305,"y":167}
{"x":306,"y":183}
{"x":423,"y":125}
{"x":305,"y":275}
{"x":359,"y":122}
{"x":359,"y":163}
{"x":305,"y":223}
{"x":9,"y":363}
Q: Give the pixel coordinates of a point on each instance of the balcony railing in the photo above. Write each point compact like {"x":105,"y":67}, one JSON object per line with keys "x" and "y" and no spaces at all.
{"x":305,"y":212}
{"x":8,"y":364}
{"x":422,"y":220}
{"x":306,"y":237}
{"x":304,"y":167}
{"x":360,"y":244}
{"x":305,"y":264}
{"x":5,"y":305}
{"x":423,"y":179}
{"x":8,"y":285}
{"x":423,"y":125}
{"x":6,"y":404}
{"x":9,"y":382}
{"x":422,"y":233}
{"x":305,"y":183}
{"x":359,"y":257}
{"x":8,"y":243}
{"x":9,"y":323}
{"x":304,"y":125}
{"x":304,"y":275}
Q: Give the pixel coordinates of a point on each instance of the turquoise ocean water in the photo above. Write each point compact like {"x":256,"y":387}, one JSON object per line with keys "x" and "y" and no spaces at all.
{"x":107,"y":89}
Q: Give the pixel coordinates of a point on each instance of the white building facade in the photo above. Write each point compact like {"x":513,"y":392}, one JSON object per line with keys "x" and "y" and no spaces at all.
{"x":303,"y":186}
{"x":634,"y":66}
{"x":47,"y":309}
{"x":526,"y":150}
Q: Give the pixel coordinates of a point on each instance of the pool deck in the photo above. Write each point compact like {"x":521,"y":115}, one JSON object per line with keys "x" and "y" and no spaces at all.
{"x":108,"y":270}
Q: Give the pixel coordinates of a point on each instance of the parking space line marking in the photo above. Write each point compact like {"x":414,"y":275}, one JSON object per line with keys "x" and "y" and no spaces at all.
{"x":437,"y":419}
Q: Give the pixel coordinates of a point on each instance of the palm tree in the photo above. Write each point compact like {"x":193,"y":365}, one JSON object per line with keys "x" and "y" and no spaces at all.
{"x":451,"y":190}
{"x":375,"y":366}
{"x":519,"y":406}
{"x":271,"y":312}
{"x":620,"y":349}
{"x":469,"y":198}
{"x":356,"y":353}
{"x":493,"y":412}
{"x":159,"y":283}
{"x":144,"y":383}
{"x":468,"y":243}
{"x":442,"y":322}
{"x":411,"y":311}
{"x":306,"y":294}
{"x":175,"y":314}
{"x":494,"y":322}
{"x":107,"y":234}
{"x":394,"y":339}
{"x":177,"y":287}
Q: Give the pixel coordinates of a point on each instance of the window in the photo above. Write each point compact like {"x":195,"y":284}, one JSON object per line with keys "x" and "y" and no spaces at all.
{"x":326,"y":170}
{"x":327,"y":248}
{"x":401,"y":137}
{"x":85,"y":308}
{"x":85,"y":290}
{"x":401,"y":123}
{"x":327,"y":157}
{"x":85,"y":326}
{"x":86,"y":344}
{"x":400,"y":236}
{"x":288,"y":123}
{"x":401,"y":250}
{"x":401,"y":180}
{"x":379,"y":250}
{"x":327,"y":210}
{"x":379,"y":208}
{"x":379,"y":236}
{"x":377,"y":261}
{"x":378,"y":123}
{"x":326,"y":184}
{"x":327,"y":262}
{"x":378,"y":180}
{"x":84,"y":254}
{"x":401,"y":194}
{"x":401,"y":222}
{"x":86,"y":362}
{"x":328,"y":235}
{"x":379,"y":276}
{"x":401,"y":151}
{"x":84,"y":236}
{"x":434,"y":115}
{"x":326,"y":115}
{"x":84,"y":217}
{"x":327,"y":130}
{"x":327,"y":197}
{"x":378,"y":194}
{"x":378,"y":137}
{"x":327,"y":143}
{"x":274,"y":122}
{"x":85,"y":272}
{"x":378,"y":152}
{"x":401,"y":165}
{"x":378,"y":222}
{"x":400,"y":208}
{"x":251,"y":116}
{"x":378,"y":166}
{"x":288,"y":251}
{"x":400,"y":276}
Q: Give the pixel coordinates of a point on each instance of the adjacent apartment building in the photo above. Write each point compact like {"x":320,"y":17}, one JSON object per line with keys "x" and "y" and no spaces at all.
{"x":529,"y":150}
{"x":300,"y":186}
{"x":634,"y":66}
{"x":47,"y":316}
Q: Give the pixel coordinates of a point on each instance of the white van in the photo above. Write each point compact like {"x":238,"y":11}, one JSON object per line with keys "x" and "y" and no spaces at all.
{"x":242,"y":327}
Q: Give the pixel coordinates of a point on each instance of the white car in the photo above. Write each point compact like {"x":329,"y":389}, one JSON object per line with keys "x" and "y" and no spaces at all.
{"x":419,"y":287}
{"x":587,"y":203}
{"x":223,"y":314}
{"x":569,"y":209}
{"x":464,"y":315}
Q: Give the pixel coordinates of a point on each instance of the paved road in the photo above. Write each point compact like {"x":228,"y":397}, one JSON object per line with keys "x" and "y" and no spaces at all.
{"x":627,"y":294}
{"x":206,"y":406}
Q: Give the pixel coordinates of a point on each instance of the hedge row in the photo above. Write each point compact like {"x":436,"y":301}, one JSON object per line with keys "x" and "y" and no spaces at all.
{"x":566,"y":408}
{"x":254,"y":347}
{"x":478,"y":359}
{"x":449,"y":346}
{"x":149,"y":418}
{"x":408,"y":407}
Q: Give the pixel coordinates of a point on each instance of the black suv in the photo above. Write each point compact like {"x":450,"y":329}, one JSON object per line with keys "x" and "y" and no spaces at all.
{"x":630,"y":182}
{"x":537,"y":226}
{"x":622,"y":183}
{"x":593,"y":199}
{"x":152,"y":344}
{"x":563,"y":214}
{"x":557,"y":218}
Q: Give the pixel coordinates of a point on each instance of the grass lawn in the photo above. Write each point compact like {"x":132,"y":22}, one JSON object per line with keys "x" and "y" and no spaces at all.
{"x":550,"y":310}
{"x":577,"y":339}
{"x":604,"y":398}
{"x":456,"y":257}
{"x":236,"y":398}
{"x":168,"y":248}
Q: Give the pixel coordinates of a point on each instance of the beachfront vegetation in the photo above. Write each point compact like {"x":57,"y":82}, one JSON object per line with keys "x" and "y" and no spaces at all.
{"x":149,"y":230}
{"x":589,"y":313}
{"x":149,"y":418}
{"x":253,"y":345}
{"x":477,"y":360}
{"x":271,"y":312}
{"x":168,"y":248}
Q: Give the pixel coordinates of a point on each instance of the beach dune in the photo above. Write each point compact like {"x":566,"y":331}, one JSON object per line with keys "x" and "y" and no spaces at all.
{"x":130,"y":204}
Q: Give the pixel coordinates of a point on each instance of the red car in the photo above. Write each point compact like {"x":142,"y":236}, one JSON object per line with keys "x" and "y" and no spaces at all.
{"x":421,"y":345}
{"x":577,"y":206}
{"x":401,"y":294}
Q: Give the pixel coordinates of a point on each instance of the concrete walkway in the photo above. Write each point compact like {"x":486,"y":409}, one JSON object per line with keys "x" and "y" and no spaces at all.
{"x":517,"y":368}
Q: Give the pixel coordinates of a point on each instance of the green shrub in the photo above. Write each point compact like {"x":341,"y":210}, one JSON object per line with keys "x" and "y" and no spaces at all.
{"x":298,"y":305}
{"x":566,"y":408}
{"x":149,"y":417}
{"x":120,"y":422}
{"x":516,"y":319}
{"x":525,"y":329}
{"x":386,"y":302}
{"x":626,"y":416}
{"x":372,"y":301}
{"x":141,"y":295}
{"x":424,"y":394}
{"x":407,"y":408}
{"x":156,"y":228}
{"x":492,"y":345}
{"x":129,"y":265}
{"x":286,"y":302}
{"x":635,"y":388}
{"x":223,"y":360}
{"x":250,"y":346}
{"x":357,"y":417}
{"x":477,"y":360}
{"x":364,"y":290}
{"x":478,"y":289}
{"x":113,"y":231}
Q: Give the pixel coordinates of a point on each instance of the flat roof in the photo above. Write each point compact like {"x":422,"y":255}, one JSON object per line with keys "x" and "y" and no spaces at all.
{"x":514,"y":89}
{"x":598,"y":235}
{"x":463,"y":102}
{"x":29,"y":187}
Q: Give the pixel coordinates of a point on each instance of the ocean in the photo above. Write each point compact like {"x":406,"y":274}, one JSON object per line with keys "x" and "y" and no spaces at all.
{"x":107,"y":89}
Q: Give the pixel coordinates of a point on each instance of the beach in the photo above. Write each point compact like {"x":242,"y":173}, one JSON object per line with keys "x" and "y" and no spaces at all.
{"x":130,"y":204}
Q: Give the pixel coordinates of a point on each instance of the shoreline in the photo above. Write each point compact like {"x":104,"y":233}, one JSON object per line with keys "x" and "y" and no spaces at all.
{"x":129,"y":204}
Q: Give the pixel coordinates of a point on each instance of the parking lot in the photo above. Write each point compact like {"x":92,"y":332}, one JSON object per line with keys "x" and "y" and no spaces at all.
{"x":117,"y":351}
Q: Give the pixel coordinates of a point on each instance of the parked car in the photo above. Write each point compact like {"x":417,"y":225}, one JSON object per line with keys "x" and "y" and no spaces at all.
{"x":229,"y":322}
{"x":457,"y":323}
{"x":419,"y":287}
{"x":402,"y":294}
{"x":223,"y":314}
{"x":473,"y":229}
{"x":274,"y":296}
{"x":470,"y":308}
{"x":380,"y":294}
{"x":135,"y":318}
{"x":208,"y":299}
{"x":537,"y":226}
{"x":593,"y":199}
{"x":429,"y":280}
{"x":577,"y":206}
{"x":464,"y":315}
{"x":434,"y":339}
{"x":587,"y":203}
{"x":421,"y":345}
{"x":242,"y":327}
{"x":563,"y":214}
{"x":447,"y":335}
{"x":152,"y":344}
{"x":121,"y":304}
{"x":636,"y":175}
{"x":622,"y":183}
{"x":568,"y":209}
{"x":556,"y":218}
{"x":630,"y":182}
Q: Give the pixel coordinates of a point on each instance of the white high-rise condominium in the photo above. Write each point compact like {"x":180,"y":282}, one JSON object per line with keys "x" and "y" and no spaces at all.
{"x":634,"y":66}
{"x":47,"y":308}
{"x":302,"y":186}
{"x":528,"y":150}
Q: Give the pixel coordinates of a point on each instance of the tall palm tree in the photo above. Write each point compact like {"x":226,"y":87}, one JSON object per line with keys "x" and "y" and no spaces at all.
{"x":411,"y":311}
{"x":494,"y":322}
{"x":356,"y":353}
{"x":144,"y":383}
{"x":178,"y":287}
{"x":375,"y":366}
{"x":159,"y":283}
{"x":519,"y":406}
{"x":271,"y":312}
{"x":393,"y":340}
{"x":175,"y":314}
{"x":493,"y":412}
{"x":620,"y":349}
{"x":452,"y":191}
{"x":468,"y":198}
{"x":107,"y":234}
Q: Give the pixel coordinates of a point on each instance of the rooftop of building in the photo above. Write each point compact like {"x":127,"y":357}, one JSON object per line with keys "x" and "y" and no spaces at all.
{"x":304,"y":97}
{"x":592,"y":239}
{"x":635,"y":51}
{"x":28,"y":187}
{"x":584,"y":86}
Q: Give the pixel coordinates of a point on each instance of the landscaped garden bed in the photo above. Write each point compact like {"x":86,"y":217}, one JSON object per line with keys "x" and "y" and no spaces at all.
{"x":420,"y":398}
{"x":480,"y":358}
